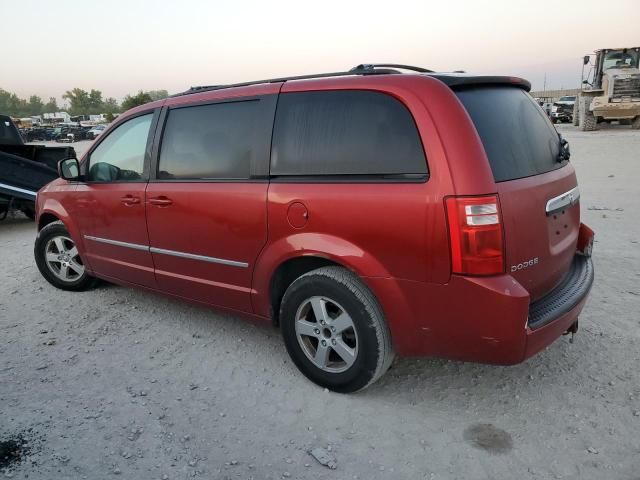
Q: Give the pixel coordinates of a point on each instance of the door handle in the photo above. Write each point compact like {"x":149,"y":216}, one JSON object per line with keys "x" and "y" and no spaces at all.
{"x":161,"y":201}
{"x":129,"y":200}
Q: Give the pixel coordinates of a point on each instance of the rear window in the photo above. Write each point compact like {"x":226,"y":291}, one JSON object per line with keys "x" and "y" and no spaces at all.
{"x":518,"y":138}
{"x":345,"y":133}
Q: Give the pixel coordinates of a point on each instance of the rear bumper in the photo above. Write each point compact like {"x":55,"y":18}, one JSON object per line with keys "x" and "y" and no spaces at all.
{"x":482,"y":319}
{"x":572,"y":290}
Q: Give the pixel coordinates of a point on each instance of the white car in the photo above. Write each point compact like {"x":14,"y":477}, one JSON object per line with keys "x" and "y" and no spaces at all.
{"x":96,"y":131}
{"x":562,"y":110}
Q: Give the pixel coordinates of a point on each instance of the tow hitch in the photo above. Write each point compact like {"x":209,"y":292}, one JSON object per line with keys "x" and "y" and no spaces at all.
{"x":572,"y":331}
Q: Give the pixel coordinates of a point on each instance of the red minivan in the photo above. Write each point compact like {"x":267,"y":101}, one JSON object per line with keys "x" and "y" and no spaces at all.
{"x":367,"y":213}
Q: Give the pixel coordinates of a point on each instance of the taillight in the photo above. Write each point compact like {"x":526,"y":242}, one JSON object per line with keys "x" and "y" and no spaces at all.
{"x":475,"y":233}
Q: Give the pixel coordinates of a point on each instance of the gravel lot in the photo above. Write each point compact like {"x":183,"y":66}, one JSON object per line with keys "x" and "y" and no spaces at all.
{"x":116,"y":382}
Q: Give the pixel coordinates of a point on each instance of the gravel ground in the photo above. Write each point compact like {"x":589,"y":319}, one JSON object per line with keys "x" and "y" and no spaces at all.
{"x":119,"y":382}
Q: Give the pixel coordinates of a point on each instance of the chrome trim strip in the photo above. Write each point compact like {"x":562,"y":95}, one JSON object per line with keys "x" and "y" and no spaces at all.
{"x":562,"y":201}
{"x":18,"y":189}
{"x":135,"y":246}
{"x":191,"y":256}
{"x":203,"y":258}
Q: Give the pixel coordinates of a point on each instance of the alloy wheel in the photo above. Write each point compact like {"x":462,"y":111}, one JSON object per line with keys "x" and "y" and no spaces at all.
{"x":62,"y":258}
{"x":327,"y":335}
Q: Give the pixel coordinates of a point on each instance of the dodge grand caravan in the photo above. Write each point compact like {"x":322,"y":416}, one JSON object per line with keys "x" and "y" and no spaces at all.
{"x":366,"y":213}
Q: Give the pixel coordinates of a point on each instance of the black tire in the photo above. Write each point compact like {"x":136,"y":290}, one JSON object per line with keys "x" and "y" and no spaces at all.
{"x":588,"y":121}
{"x":635,"y":125}
{"x":373,"y":350}
{"x":77,"y":282}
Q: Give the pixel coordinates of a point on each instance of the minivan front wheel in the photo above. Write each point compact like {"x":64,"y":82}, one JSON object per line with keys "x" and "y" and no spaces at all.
{"x":334,"y":330}
{"x":58,"y":259}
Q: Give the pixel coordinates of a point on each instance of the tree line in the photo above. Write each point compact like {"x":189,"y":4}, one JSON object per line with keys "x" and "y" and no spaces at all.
{"x":81,"y":102}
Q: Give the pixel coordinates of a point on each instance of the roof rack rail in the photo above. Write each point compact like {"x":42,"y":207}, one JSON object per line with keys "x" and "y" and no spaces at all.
{"x":373,"y":66}
{"x":362,"y":69}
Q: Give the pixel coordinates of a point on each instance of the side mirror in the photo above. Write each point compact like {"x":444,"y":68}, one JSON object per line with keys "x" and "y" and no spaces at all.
{"x":586,"y":59}
{"x":69,"y":169}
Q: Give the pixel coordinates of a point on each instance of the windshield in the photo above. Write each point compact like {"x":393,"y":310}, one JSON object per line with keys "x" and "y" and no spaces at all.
{"x":620,"y":58}
{"x":567,"y":99}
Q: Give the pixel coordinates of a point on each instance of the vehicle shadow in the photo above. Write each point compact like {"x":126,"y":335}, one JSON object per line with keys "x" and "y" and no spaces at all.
{"x":556,"y":373}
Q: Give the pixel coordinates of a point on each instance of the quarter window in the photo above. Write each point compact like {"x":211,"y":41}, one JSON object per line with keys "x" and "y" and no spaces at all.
{"x":213,"y":142}
{"x":517,"y":136}
{"x":345,"y":133}
{"x":120,"y":156}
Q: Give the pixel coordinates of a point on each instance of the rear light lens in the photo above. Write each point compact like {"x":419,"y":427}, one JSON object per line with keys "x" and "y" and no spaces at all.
{"x":475,"y":233}
{"x":585,"y":240}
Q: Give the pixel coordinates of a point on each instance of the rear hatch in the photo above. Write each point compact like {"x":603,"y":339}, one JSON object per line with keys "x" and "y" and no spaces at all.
{"x":537,"y":191}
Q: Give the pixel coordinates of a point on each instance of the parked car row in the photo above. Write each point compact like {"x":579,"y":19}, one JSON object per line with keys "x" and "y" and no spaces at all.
{"x":62,"y":133}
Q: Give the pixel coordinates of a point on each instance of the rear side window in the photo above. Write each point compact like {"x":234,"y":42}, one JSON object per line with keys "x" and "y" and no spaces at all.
{"x":518,"y":138}
{"x":210,"y":142}
{"x":345,"y":133}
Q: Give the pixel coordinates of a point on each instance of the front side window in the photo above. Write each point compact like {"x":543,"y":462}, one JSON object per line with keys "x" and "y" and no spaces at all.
{"x":346,"y":132}
{"x":220,"y":141}
{"x":120,"y":156}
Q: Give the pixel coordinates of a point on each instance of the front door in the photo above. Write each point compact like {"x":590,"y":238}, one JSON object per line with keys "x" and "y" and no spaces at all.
{"x":114,"y":225}
{"x":206,"y":201}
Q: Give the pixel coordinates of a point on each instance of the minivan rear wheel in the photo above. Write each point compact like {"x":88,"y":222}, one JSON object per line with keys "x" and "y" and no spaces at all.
{"x":334,"y":330}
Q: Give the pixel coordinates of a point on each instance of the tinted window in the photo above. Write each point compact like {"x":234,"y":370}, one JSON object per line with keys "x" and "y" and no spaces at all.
{"x":345,"y":133}
{"x":219,"y":141}
{"x":518,"y":138}
{"x":120,"y":156}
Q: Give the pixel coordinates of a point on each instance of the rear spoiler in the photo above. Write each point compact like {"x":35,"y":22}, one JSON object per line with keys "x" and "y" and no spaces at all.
{"x":457,"y":80}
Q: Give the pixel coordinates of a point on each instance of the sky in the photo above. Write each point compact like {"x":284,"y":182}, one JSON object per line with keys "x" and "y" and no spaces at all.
{"x":122,"y":46}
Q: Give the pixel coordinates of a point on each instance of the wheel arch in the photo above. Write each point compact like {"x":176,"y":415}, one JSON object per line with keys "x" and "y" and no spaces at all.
{"x":290,"y":257}
{"x":45,"y":219}
{"x":51,"y":210}
{"x":286,"y":273}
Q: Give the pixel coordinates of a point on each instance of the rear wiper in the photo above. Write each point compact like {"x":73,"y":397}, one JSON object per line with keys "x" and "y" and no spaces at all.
{"x":565,"y":152}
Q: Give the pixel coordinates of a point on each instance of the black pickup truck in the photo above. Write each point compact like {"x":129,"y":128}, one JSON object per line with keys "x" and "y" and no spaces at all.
{"x":24,"y":169}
